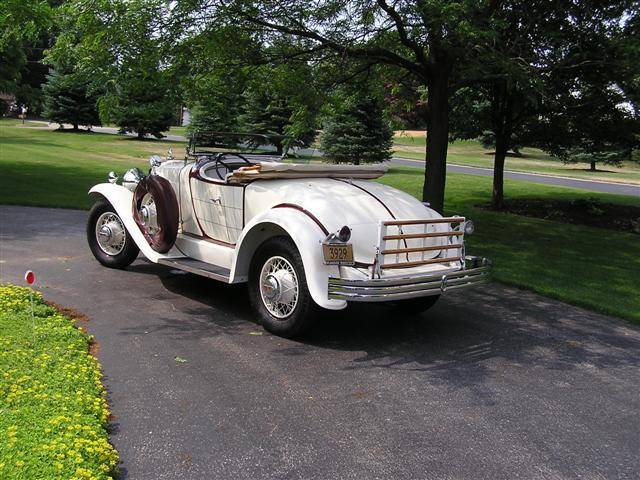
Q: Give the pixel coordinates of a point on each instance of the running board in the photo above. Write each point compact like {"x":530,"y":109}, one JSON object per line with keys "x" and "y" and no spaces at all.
{"x":197,"y":267}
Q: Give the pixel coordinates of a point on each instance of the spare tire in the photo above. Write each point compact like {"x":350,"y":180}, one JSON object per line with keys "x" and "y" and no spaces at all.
{"x":155,"y":211}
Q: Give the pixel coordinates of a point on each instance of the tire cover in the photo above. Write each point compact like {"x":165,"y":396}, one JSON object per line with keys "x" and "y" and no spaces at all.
{"x":166,"y":211}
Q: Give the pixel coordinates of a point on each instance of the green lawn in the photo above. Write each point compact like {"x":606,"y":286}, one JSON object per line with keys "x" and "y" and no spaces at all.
{"x":591,"y":267}
{"x":471,"y":153}
{"x":54,"y":413}
{"x":42,"y":167}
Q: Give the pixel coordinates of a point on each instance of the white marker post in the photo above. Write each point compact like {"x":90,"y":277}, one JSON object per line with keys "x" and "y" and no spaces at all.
{"x":30,"y":278}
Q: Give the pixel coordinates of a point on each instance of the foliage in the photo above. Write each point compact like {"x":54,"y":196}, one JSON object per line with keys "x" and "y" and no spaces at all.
{"x":115,"y":44}
{"x":533,"y":67}
{"x":274,"y":103}
{"x":21,"y":21}
{"x":355,"y":132}
{"x":140,"y":101}
{"x":54,"y":411}
{"x":68,"y":99}
{"x":592,"y":124}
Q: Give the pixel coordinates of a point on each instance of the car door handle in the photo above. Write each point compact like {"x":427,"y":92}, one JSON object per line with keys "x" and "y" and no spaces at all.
{"x":216,"y":200}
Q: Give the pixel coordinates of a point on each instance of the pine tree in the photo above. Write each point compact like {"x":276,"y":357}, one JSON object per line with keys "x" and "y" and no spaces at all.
{"x":141,"y":103}
{"x":355,"y":132}
{"x":67,"y":99}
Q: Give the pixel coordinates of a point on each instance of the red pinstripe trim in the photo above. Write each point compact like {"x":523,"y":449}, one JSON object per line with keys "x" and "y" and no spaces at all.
{"x":369,"y":193}
{"x":306,"y":212}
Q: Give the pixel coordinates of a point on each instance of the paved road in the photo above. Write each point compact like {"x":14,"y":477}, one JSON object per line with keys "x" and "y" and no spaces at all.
{"x":606,"y":187}
{"x":496,"y":384}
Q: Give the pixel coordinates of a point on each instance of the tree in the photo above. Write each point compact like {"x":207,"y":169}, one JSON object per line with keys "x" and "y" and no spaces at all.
{"x":355,"y":132}
{"x":67,"y":99}
{"x":21,"y":21}
{"x":529,"y":70}
{"x":274,"y":103}
{"x":428,"y":40}
{"x":596,"y":124}
{"x":116,"y":44}
{"x":140,"y":102}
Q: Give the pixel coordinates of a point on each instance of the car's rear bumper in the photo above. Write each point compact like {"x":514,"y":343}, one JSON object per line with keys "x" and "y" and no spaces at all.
{"x":476,"y":271}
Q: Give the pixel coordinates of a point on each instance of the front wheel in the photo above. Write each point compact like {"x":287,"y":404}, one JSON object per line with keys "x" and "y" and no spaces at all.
{"x":109,"y":240}
{"x":278,"y":289}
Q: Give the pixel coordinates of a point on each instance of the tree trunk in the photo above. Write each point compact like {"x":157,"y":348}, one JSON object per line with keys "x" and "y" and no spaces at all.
{"x":497,"y":195}
{"x":593,"y":166}
{"x":75,"y":127}
{"x":141,"y":135}
{"x":435,"y":174}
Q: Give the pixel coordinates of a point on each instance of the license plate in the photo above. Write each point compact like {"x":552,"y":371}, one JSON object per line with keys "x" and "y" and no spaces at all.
{"x":338,"y":253}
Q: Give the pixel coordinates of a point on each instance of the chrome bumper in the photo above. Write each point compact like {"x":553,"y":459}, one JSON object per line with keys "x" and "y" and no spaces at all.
{"x":476,"y":271}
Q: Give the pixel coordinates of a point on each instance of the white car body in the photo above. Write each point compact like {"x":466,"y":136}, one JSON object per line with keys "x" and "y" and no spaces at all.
{"x":222,"y":224}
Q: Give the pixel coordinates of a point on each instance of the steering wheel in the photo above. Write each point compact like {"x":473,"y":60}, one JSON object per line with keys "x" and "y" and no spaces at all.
{"x":219,"y":161}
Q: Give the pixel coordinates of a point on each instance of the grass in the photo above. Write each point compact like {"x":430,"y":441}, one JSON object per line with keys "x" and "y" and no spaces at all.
{"x":591,"y":267}
{"x":471,"y":153}
{"x":54,"y":412}
{"x":40,"y":167}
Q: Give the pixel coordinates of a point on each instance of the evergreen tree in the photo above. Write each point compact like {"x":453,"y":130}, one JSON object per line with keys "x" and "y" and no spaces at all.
{"x":140,"y":103}
{"x":67,"y":99}
{"x":355,"y":132}
{"x":274,"y":104}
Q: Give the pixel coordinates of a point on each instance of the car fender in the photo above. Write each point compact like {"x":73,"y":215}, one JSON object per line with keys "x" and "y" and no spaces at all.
{"x":306,"y":235}
{"x":121,"y":199}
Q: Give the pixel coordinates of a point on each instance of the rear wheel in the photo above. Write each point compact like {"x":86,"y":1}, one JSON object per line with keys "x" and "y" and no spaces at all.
{"x":108,"y":238}
{"x":278,"y":289}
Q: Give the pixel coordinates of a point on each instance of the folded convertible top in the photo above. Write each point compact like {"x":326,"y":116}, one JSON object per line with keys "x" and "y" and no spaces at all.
{"x":271,"y":170}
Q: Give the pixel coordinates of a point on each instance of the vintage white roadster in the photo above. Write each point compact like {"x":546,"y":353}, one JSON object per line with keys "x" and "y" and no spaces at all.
{"x":303,"y":235}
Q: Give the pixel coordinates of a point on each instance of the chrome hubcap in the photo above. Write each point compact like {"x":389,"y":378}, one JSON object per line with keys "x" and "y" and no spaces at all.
{"x":110,"y":233}
{"x":148,"y":214}
{"x":279,"y":287}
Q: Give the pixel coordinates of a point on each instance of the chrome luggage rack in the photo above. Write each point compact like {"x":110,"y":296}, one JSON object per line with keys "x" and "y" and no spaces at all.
{"x":451,"y":250}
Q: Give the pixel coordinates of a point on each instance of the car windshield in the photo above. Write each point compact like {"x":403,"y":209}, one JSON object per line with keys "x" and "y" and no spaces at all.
{"x":269,"y":146}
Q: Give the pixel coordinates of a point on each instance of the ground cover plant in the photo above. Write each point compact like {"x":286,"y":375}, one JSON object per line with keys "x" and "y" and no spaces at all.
{"x":54,"y":412}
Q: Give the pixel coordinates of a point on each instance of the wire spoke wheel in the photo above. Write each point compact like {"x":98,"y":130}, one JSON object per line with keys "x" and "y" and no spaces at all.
{"x":110,"y":233}
{"x":148,"y":214}
{"x":279,"y":287}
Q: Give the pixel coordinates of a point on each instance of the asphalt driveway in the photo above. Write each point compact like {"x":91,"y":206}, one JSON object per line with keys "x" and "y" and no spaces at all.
{"x":497,"y":383}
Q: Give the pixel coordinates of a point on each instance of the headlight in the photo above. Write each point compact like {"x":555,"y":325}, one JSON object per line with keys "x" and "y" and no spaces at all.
{"x":131,"y":178}
{"x":155,"y":161}
{"x":469,"y":227}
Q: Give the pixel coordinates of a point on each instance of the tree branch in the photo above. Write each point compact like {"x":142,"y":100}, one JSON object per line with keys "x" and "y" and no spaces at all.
{"x":402,"y":32}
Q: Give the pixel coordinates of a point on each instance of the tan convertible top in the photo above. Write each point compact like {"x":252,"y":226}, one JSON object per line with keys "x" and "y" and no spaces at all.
{"x":271,"y":170}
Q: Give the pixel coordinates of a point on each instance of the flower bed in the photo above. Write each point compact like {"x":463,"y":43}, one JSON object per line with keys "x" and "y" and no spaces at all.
{"x":53,"y":421}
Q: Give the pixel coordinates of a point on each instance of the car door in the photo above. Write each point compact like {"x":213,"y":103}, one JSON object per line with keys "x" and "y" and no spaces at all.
{"x":218,"y":209}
